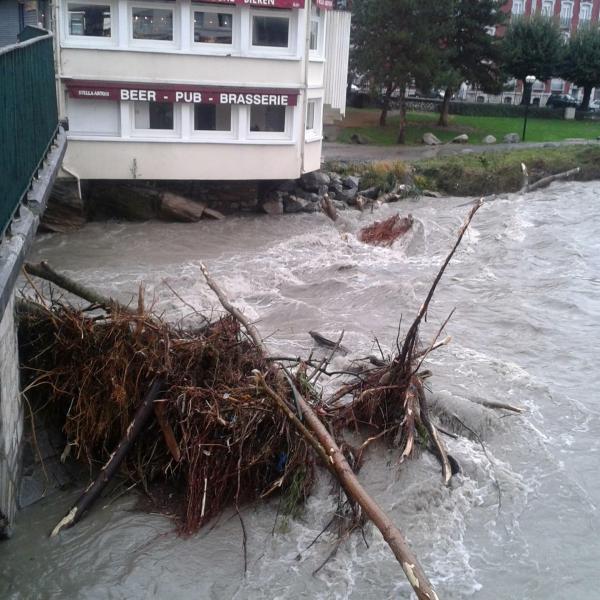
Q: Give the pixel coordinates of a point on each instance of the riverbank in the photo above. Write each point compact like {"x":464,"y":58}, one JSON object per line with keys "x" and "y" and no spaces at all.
{"x":475,"y":174}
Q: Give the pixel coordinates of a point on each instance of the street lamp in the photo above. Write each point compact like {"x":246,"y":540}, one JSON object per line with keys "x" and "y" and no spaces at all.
{"x":529,"y":81}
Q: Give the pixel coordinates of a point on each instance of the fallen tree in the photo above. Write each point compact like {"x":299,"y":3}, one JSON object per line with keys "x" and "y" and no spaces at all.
{"x":233,"y":425}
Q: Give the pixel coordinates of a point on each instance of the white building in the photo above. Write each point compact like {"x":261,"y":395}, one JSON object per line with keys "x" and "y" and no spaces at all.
{"x":211,"y":90}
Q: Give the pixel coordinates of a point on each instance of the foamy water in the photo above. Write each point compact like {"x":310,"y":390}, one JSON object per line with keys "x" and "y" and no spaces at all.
{"x":520,"y":521}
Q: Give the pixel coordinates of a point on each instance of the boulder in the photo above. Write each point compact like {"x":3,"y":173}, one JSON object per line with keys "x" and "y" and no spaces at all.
{"x":463,"y":138}
{"x":489,"y":139}
{"x":351,"y":182}
{"x":288,"y":186}
{"x":314,"y":180}
{"x":122,"y":200}
{"x":312,"y":207}
{"x":347,"y":195}
{"x":273,"y":207}
{"x":512,"y":138}
{"x":65,"y":210}
{"x":312,"y":198}
{"x":292,"y":204}
{"x":356,"y":138}
{"x":370,"y":193}
{"x":431,"y":140}
{"x":177,"y":208}
{"x":431,"y":194}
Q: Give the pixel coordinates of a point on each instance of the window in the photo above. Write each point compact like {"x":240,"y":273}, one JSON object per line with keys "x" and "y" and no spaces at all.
{"x":154,"y":115}
{"x":212,"y":117}
{"x":211,"y":27}
{"x":92,"y":20}
{"x":268,"y":119}
{"x":566,"y":14}
{"x":152,"y":24}
{"x":315,"y":19}
{"x":270,"y":31}
{"x":518,"y":7}
{"x":585,"y":12}
{"x":548,"y":8}
{"x":94,"y":117}
{"x":313,"y":119}
{"x":557,"y":86}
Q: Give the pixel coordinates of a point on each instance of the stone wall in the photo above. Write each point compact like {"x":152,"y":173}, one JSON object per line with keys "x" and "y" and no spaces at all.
{"x":11,"y":419}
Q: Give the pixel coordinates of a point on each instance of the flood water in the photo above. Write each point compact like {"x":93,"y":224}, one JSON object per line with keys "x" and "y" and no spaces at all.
{"x":526,"y":287}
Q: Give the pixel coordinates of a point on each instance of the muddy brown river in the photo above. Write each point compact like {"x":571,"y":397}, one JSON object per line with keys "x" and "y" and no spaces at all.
{"x":526,"y":287}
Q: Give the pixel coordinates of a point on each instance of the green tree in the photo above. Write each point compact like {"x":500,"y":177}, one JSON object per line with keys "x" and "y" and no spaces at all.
{"x":393,"y":43}
{"x":470,"y":52}
{"x":532,"y":47}
{"x":581,"y":63}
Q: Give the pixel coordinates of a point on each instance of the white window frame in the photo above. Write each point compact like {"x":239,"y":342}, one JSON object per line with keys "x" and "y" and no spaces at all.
{"x":586,"y":7}
{"x":174,"y":133}
{"x":90,"y":41}
{"x":159,"y":45}
{"x":566,"y":9}
{"x":208,"y":48}
{"x":318,"y":15}
{"x":521,"y":5}
{"x":287,"y":134}
{"x":211,"y":135}
{"x":547,"y":4}
{"x":316,"y":131}
{"x":249,"y":49}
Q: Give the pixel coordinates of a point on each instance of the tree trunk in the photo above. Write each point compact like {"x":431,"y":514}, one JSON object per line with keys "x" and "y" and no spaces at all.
{"x":387,"y":97}
{"x":587,"y":94}
{"x":402,"y":127}
{"x":526,"y":99}
{"x":445,"y":108}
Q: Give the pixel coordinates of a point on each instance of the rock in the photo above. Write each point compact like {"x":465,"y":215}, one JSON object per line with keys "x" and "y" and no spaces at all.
{"x":131,"y":201}
{"x":463,"y":138}
{"x":340,"y":205}
{"x":313,"y":198}
{"x":489,"y":139}
{"x":336,"y":187}
{"x":512,"y":138}
{"x":351,"y":182}
{"x":65,"y":210}
{"x":347,"y":195}
{"x":288,"y":186}
{"x":431,"y":140}
{"x":356,"y":138}
{"x":314,"y":180}
{"x":334,"y":179}
{"x":322,"y":190}
{"x":291,"y":204}
{"x":312,"y":207}
{"x":273,"y":207}
{"x":213,"y":214}
{"x":177,"y":208}
{"x":370,"y":193}
{"x":431,"y":194}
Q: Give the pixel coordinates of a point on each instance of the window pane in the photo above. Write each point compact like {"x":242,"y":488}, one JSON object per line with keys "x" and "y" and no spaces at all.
{"x":270,"y":31}
{"x":153,"y":115}
{"x":314,"y":34}
{"x":89,"y":20}
{"x":310,"y":115}
{"x":152,"y":24}
{"x":213,"y":28}
{"x":211,"y":117}
{"x":267,"y":118}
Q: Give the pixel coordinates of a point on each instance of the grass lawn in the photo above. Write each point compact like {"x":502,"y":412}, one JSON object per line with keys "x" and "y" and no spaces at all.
{"x":365,"y":123}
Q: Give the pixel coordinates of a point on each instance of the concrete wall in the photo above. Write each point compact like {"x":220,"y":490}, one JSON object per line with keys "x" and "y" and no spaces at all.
{"x":11,"y":418}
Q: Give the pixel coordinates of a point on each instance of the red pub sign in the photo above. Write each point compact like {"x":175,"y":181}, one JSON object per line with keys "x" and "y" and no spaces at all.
{"x":181,"y":93}
{"x":259,"y":3}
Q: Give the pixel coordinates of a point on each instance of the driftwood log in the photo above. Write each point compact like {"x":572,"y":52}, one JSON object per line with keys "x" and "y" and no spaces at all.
{"x":93,"y":491}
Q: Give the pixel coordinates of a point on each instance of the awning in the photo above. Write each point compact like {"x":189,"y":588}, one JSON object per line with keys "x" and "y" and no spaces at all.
{"x":259,"y":3}
{"x":102,"y":90}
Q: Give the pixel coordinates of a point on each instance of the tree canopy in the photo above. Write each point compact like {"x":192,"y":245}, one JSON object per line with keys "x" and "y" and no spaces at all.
{"x":532,"y":47}
{"x":581,"y":63}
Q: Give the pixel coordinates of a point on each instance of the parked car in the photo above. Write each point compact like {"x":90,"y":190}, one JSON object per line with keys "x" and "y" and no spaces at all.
{"x":561,"y":101}
{"x":594,"y":106}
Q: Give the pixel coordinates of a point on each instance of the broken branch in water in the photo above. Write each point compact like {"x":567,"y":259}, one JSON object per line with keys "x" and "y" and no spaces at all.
{"x":95,"y":488}
{"x":544,"y":181}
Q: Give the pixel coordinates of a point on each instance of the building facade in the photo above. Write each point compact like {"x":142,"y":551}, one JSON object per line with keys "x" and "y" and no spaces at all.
{"x":212,"y":90}
{"x":15,"y":15}
{"x":570,"y":16}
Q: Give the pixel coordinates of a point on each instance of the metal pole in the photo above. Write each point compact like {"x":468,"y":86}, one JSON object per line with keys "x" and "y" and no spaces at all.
{"x":526,"y":113}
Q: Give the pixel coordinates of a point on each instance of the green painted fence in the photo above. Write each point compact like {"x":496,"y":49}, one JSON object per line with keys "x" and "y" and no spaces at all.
{"x":28,"y":118}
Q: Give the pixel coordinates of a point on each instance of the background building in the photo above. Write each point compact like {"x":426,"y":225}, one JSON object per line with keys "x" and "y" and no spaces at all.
{"x":212,"y":90}
{"x":16,"y":15}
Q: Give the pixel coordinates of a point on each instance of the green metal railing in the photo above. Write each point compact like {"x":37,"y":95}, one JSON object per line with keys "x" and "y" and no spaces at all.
{"x":28,"y":118}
